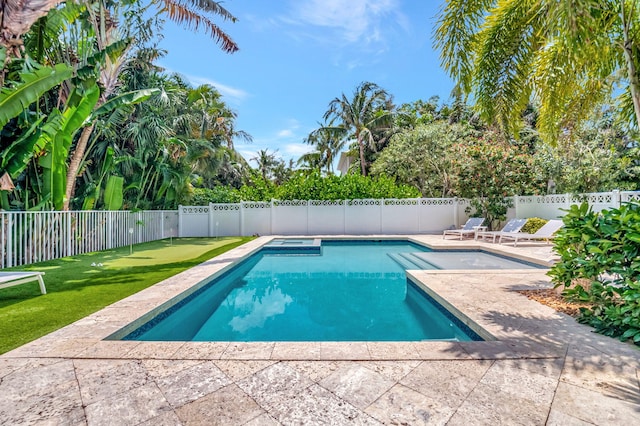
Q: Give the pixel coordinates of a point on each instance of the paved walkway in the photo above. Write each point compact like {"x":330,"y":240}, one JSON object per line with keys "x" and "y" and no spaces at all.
{"x":543,"y":367}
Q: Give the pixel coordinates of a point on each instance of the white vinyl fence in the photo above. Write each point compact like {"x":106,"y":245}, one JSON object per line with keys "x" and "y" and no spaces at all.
{"x":365,"y":217}
{"x":29,"y":237}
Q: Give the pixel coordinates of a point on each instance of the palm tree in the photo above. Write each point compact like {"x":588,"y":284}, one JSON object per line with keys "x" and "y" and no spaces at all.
{"x":364,"y":116}
{"x":328,"y":142}
{"x":569,"y":55}
{"x":265,"y":161}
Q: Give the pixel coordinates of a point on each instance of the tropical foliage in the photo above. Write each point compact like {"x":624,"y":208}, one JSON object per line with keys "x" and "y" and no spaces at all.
{"x":568,"y":55}
{"x":366,"y":118}
{"x":88,"y":121}
{"x":599,"y":264}
{"x":488,"y":170}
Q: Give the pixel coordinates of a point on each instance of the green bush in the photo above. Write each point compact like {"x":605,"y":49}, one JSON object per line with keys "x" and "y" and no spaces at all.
{"x":603,"y":250}
{"x":305,"y":185}
{"x":533,"y":224}
{"x":219,"y":194}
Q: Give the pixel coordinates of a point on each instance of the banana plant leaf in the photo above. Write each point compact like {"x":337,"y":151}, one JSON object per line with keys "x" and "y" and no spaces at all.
{"x":16,"y":157}
{"x":113,"y":194}
{"x":128,"y":98}
{"x":16,"y":99}
{"x":54,"y":164}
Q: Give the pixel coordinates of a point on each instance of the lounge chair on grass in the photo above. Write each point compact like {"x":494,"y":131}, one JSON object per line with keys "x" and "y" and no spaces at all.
{"x":544,"y":233}
{"x":513,"y":225}
{"x":469,"y":228}
{"x":9,"y":279}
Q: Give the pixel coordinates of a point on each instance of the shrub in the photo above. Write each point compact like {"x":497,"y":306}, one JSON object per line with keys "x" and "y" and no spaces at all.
{"x":604,"y":249}
{"x":533,"y":224}
{"x":219,"y":194}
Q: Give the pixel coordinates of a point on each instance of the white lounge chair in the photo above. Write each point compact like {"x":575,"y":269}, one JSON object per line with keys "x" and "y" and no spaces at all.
{"x":513,"y":225}
{"x":469,"y":228}
{"x":544,"y":233}
{"x":9,"y":279}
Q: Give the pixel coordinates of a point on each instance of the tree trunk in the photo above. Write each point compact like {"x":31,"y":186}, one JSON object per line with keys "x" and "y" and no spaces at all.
{"x":362,"y":164}
{"x":74,"y":164}
{"x":634,"y":80}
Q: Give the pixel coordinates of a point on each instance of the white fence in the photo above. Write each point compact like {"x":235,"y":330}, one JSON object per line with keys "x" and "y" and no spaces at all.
{"x":350,"y":217}
{"x":28,"y":237}
{"x":342,"y":217}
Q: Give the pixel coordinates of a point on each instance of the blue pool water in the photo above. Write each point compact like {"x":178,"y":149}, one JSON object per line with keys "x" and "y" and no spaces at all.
{"x":352,"y":291}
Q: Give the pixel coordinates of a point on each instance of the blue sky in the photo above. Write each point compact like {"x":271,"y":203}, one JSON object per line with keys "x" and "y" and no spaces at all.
{"x":297,"y":55}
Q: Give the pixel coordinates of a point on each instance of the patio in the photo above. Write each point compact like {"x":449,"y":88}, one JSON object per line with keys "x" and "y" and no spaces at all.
{"x":544,"y":368}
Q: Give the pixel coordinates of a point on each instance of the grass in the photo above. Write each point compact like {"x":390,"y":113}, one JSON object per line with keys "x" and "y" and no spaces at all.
{"x":76,"y":289}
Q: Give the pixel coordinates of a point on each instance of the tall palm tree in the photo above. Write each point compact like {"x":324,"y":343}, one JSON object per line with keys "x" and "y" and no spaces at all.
{"x":568,"y":54}
{"x":363,"y":116}
{"x":266,"y":161}
{"x":328,"y":142}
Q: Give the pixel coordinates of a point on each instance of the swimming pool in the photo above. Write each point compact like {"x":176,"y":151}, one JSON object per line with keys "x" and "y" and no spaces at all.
{"x":350,"y":291}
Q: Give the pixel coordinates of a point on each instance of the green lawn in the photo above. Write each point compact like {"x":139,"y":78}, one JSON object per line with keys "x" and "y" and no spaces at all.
{"x":76,"y":289}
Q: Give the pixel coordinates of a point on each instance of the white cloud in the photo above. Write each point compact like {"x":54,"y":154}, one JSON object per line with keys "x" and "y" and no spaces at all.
{"x":295,"y":150}
{"x":230,"y":93}
{"x":354,"y":20}
{"x":286,"y":133}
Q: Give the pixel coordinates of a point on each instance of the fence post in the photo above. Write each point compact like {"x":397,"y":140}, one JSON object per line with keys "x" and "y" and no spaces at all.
{"x":210,"y":220}
{"x":69,"y":236}
{"x":616,"y":198}
{"x":272,"y":216}
{"x":516,"y":202}
{"x":308,"y":214}
{"x":455,"y":212}
{"x":110,"y":230}
{"x":242,"y":219}
{"x":179,"y":220}
{"x":9,"y":241}
{"x":418,"y":210}
{"x":344,"y":217}
{"x":162,"y":224}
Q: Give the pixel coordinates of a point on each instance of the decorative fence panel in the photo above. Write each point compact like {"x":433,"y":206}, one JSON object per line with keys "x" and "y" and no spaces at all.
{"x":363,"y":217}
{"x":29,"y":237}
{"x":327,"y":217}
{"x":626,"y":196}
{"x":543,"y":206}
{"x":290,"y":217}
{"x":194,"y":221}
{"x":225,"y":220}
{"x":255,"y":218}
{"x":400,"y":216}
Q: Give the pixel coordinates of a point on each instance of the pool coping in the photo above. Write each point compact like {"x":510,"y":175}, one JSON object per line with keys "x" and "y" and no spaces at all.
{"x":85,"y":339}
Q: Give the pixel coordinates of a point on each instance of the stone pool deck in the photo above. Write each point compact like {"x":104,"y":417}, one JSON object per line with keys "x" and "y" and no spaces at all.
{"x":543,"y":367}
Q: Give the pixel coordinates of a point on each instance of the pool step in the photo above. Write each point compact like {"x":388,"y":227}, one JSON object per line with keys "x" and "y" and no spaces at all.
{"x":409,"y":261}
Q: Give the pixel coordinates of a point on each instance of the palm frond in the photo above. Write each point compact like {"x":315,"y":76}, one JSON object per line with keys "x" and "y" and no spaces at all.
{"x":509,"y":41}
{"x":183,"y":15}
{"x":455,"y":37}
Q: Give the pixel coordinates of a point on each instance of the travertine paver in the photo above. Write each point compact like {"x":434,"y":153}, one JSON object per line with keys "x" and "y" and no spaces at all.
{"x":404,"y":406}
{"x":41,"y":392}
{"x":192,"y":383}
{"x":544,"y":367}
{"x":227,"y":406}
{"x":131,"y":407}
{"x":593,"y":407}
{"x":357,"y":385}
{"x":100,"y":379}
